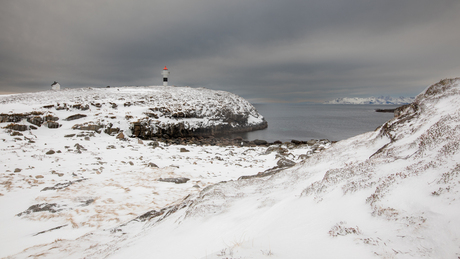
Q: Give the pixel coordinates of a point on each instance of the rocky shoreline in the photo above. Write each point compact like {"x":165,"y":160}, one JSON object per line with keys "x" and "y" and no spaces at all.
{"x":316,"y":144}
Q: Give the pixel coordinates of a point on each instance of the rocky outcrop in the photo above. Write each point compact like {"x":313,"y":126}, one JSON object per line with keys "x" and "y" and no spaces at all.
{"x":151,"y":129}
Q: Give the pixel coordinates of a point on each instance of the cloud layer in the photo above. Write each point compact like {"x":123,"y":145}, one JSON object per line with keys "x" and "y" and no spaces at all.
{"x":263,"y":50}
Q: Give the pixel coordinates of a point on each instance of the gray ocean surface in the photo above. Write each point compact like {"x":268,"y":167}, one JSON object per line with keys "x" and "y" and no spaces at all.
{"x":317,"y":121}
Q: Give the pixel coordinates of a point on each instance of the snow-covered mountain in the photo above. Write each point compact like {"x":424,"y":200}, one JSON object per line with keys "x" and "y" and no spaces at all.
{"x":372,"y":100}
{"x":391,"y":193}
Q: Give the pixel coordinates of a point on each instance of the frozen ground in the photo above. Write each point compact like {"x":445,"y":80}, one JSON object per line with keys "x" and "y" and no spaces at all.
{"x":392,"y":193}
{"x":61,"y":184}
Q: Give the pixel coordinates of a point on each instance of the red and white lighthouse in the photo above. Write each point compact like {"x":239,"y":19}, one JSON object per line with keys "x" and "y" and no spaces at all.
{"x":165,"y":74}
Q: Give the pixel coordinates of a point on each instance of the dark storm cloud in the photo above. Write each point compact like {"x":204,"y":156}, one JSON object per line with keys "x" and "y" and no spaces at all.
{"x":262,"y":50}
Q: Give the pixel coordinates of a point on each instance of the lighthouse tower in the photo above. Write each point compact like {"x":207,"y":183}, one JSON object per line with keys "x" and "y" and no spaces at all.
{"x":165,"y":74}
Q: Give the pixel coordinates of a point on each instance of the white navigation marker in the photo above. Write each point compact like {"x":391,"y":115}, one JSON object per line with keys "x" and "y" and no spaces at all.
{"x":165,"y":74}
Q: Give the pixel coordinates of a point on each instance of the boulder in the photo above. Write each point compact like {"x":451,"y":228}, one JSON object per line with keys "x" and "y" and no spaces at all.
{"x":174,"y":180}
{"x":260,"y":142}
{"x":283,"y":162}
{"x":75,"y":117}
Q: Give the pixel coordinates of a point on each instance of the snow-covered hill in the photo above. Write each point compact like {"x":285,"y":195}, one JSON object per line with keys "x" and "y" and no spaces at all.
{"x":372,"y":100}
{"x":391,"y":193}
{"x":146,"y":112}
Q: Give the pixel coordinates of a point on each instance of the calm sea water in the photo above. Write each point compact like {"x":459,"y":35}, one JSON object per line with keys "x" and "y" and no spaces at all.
{"x":317,"y":121}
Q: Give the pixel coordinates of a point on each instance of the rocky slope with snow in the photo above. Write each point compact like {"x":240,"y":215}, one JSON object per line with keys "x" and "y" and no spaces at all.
{"x":144,"y":112}
{"x":372,"y":100}
{"x":391,"y":193}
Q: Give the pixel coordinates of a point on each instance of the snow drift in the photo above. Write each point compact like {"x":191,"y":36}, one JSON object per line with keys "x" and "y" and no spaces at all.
{"x":391,"y":193}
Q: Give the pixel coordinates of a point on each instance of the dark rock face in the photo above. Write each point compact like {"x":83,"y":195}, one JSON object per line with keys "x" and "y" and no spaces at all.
{"x":143,"y":129}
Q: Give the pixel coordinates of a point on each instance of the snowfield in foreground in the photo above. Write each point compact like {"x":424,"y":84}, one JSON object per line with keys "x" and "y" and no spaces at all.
{"x":392,"y":193}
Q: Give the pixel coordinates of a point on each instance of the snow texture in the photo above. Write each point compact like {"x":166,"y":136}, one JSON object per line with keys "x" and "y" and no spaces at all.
{"x":391,"y":193}
{"x":372,"y":100}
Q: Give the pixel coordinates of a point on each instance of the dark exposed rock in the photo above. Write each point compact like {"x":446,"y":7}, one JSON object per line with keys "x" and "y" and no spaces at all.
{"x":385,"y":110}
{"x":60,"y":186}
{"x":234,"y":123}
{"x":75,"y":117}
{"x":80,"y":106}
{"x":184,"y":150}
{"x":174,"y":180}
{"x":152,"y":165}
{"x":50,"y":152}
{"x":79,"y":147}
{"x":49,"y":230}
{"x":17,"y":127}
{"x":52,"y":124}
{"x":120,"y":135}
{"x":16,"y":133}
{"x":49,"y":207}
{"x":90,"y":127}
{"x":36,"y":120}
{"x":69,"y":135}
{"x":260,"y":142}
{"x":283,"y":162}
{"x":50,"y":118}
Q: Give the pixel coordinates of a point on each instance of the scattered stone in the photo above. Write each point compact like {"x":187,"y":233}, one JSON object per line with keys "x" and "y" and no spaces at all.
{"x":17,"y":127}
{"x":87,"y":202}
{"x":283,"y":162}
{"x":111,"y":147}
{"x":75,"y":117}
{"x":52,"y":124}
{"x":140,"y":142}
{"x":260,"y":142}
{"x":154,"y":144}
{"x":152,"y":165}
{"x":312,"y":142}
{"x":16,"y":133}
{"x":17,"y":170}
{"x":51,"y":229}
{"x":62,"y":185}
{"x":36,"y":120}
{"x":184,"y":150}
{"x":296,"y":142}
{"x":88,"y":126}
{"x":79,"y":147}
{"x":49,"y":207}
{"x":120,"y":135}
{"x":174,"y":180}
{"x":50,"y":152}
{"x":69,"y":136}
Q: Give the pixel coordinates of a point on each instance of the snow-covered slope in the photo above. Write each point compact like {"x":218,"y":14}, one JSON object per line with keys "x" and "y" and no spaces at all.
{"x":372,"y":100}
{"x":392,"y":193}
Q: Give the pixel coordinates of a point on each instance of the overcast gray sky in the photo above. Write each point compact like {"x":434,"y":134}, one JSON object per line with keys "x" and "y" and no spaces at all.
{"x":262,"y":50}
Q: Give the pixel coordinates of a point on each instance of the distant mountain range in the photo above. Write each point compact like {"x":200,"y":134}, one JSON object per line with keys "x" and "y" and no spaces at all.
{"x":372,"y":100}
